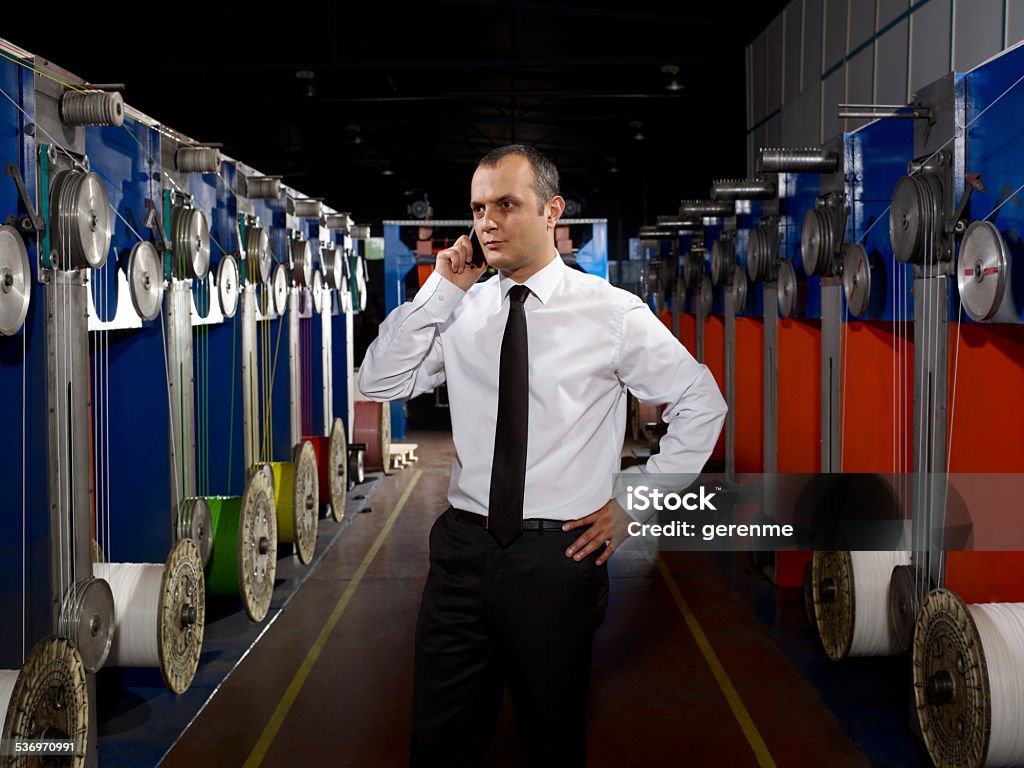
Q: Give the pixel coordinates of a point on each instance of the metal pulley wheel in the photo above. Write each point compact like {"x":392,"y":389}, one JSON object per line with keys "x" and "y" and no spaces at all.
{"x":345,"y":296}
{"x":856,"y":278}
{"x":194,"y":524}
{"x":182,"y":616}
{"x":145,"y":280}
{"x":755,"y":250}
{"x":951,"y":683}
{"x":91,"y":108}
{"x":15,"y":281}
{"x":228,"y":280}
{"x":693,"y":269}
{"x":705,"y":296}
{"x":302,"y":254}
{"x":904,"y":605}
{"x":87,"y":620}
{"x":257,"y":250}
{"x":915,"y":218}
{"x":817,"y":242}
{"x":337,"y":469}
{"x":80,"y":222}
{"x":360,"y":283}
{"x":789,"y":290}
{"x":723,"y":260}
{"x":331,"y":263}
{"x":738,"y":288}
{"x":318,"y":292}
{"x":190,"y":233}
{"x":357,"y":465}
{"x":279,"y":289}
{"x":761,"y":254}
{"x":834,"y":606}
{"x":983,"y":272}
{"x":257,"y":545}
{"x":50,"y":700}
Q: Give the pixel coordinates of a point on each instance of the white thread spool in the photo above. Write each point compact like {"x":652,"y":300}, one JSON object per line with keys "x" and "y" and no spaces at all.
{"x":873,"y":633}
{"x":136,"y":588}
{"x":8,"y":677}
{"x":1001,"y":628}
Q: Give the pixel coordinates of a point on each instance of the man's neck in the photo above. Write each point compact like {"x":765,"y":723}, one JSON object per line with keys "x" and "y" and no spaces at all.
{"x":525,"y":272}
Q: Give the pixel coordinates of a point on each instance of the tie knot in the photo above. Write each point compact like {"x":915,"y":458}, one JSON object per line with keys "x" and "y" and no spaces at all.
{"x":518,"y":293}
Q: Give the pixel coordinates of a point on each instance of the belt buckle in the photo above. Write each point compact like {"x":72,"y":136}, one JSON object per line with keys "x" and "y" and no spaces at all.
{"x":487,"y":522}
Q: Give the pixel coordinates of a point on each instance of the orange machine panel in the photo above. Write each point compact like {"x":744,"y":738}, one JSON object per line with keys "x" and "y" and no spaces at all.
{"x":423,"y":272}
{"x":799,"y":372}
{"x":985,"y":419}
{"x":687,"y":330}
{"x":749,"y":405}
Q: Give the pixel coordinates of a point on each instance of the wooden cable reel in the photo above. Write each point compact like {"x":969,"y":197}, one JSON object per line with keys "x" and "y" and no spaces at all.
{"x":373,"y":427}
{"x":297,"y":500}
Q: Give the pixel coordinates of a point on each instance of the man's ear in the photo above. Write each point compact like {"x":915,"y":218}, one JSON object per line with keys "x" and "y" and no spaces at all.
{"x":554,"y":210}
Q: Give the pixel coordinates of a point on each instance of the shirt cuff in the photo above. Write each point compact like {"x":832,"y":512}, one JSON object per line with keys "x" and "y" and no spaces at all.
{"x":437,"y":297}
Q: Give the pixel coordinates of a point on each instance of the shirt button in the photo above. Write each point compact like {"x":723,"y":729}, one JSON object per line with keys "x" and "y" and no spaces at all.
{"x":440,"y":298}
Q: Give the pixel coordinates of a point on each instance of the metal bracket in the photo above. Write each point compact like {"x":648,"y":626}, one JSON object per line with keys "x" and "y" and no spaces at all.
{"x":155,"y":223}
{"x":34,"y":222}
{"x":957,"y":224}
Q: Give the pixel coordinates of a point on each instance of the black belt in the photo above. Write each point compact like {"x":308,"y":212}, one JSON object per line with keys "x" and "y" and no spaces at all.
{"x":529,"y":524}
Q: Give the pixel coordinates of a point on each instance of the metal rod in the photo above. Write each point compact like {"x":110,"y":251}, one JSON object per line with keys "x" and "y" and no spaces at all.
{"x":797,"y":160}
{"x":874,"y":115}
{"x":691,"y":208}
{"x":743,"y":189}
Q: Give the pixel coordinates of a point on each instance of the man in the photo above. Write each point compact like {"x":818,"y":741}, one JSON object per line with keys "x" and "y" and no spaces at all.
{"x":537,"y":361}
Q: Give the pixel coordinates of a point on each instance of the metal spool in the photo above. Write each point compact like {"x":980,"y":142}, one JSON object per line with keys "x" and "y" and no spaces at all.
{"x":951,"y":683}
{"x":801,"y":160}
{"x":360,"y":285}
{"x":297,"y":498}
{"x":904,"y":605}
{"x":856,"y":278}
{"x":755,"y":249}
{"x":336,"y":467}
{"x":790,"y":290}
{"x":761,"y":254}
{"x":195,"y":525}
{"x":817,"y":242}
{"x":693,"y":269}
{"x":360,"y":232}
{"x":50,"y":701}
{"x":304,"y":209}
{"x":80,"y":221}
{"x":743,"y":189}
{"x":190,"y":233}
{"x":738,"y":288}
{"x":302,"y":253}
{"x":983,"y":271}
{"x":834,"y":601}
{"x":723,"y":261}
{"x":15,"y":281}
{"x":87,"y":620}
{"x":182,"y":616}
{"x":91,"y":108}
{"x":705,"y":296}
{"x":145,"y":280}
{"x":373,"y":427}
{"x":915,"y":220}
{"x":700,"y":208}
{"x":340,"y":221}
{"x":317,"y":291}
{"x":280,"y":289}
{"x":197,"y":160}
{"x":257,"y":248}
{"x":262,"y":188}
{"x":228,"y":280}
{"x":331,"y":263}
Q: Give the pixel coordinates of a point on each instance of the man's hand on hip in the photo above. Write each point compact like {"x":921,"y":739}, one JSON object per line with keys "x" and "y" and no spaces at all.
{"x":607,"y":528}
{"x":454,"y":264}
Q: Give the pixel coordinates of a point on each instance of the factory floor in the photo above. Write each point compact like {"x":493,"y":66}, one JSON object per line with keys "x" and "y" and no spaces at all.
{"x":683,"y":668}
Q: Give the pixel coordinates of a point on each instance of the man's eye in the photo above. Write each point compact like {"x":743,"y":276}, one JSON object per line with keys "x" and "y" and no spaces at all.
{"x":506,"y":204}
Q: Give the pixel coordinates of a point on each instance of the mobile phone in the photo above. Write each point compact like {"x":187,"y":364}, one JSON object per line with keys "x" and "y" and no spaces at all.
{"x":478,"y":250}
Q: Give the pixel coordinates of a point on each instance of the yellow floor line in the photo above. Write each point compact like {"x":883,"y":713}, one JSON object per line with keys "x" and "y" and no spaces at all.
{"x":259,"y":751}
{"x":746,"y":723}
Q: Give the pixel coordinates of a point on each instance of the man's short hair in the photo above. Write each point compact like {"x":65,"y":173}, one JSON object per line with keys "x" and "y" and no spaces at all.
{"x":545,"y":174}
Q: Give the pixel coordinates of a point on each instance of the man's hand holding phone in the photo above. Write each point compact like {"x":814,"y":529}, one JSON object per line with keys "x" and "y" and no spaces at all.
{"x":457,"y":266}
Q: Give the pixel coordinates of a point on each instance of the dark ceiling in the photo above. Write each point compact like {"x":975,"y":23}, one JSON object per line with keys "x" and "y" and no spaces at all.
{"x":373,"y":106}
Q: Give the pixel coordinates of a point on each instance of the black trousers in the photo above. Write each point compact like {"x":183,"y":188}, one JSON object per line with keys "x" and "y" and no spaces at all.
{"x":524,"y":616}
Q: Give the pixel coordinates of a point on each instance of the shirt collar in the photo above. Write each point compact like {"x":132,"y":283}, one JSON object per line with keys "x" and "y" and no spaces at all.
{"x":541,"y":283}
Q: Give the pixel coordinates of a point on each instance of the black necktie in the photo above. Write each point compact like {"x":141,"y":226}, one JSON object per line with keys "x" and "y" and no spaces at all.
{"x":508,"y":470}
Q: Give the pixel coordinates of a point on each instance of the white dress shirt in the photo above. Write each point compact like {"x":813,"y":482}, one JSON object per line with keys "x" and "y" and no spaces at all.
{"x":588,"y":342}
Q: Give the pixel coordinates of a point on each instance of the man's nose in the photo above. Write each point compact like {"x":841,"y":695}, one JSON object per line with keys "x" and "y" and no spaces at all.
{"x":488,"y":222}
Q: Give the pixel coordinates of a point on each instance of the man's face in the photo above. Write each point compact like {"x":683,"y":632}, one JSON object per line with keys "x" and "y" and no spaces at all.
{"x":514,"y":230}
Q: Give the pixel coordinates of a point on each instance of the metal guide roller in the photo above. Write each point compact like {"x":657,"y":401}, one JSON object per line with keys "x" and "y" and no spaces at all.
{"x":262,"y":187}
{"x":279,"y":289}
{"x":87,"y":619}
{"x":693,"y":268}
{"x":743,"y":189}
{"x":331,"y":261}
{"x":15,"y":281}
{"x":172,"y":639}
{"x":302,"y":254}
{"x":360,"y":232}
{"x":194,"y":524}
{"x":797,"y":160}
{"x":91,"y":108}
{"x":738,"y":288}
{"x":257,"y":248}
{"x":145,"y":279}
{"x":915,"y":219}
{"x":700,"y":208}
{"x":856,"y":278}
{"x":705,"y":296}
{"x":723,"y":261}
{"x":339,"y":221}
{"x":818,"y":242}
{"x":197,"y":159}
{"x":791,"y":290}
{"x":317,"y":291}
{"x":983,"y":274}
{"x":190,"y":241}
{"x":304,"y":209}
{"x":50,"y":700}
{"x":762,"y":253}
{"x":297,"y":499}
{"x":80,"y":221}
{"x":228,"y":280}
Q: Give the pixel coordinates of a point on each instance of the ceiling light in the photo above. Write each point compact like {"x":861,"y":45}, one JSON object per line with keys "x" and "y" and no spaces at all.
{"x":673,"y":84}
{"x":637,"y":125}
{"x":387,"y":172}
